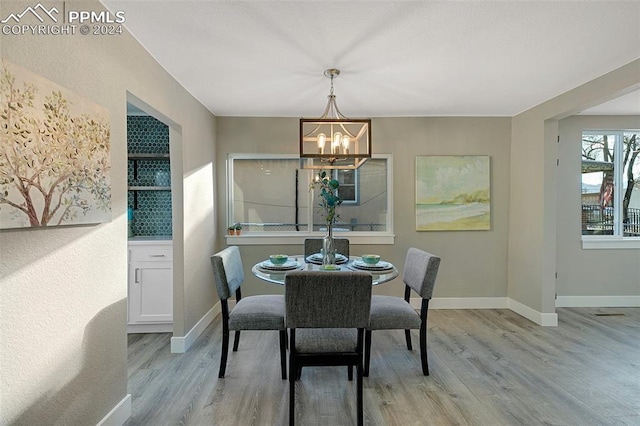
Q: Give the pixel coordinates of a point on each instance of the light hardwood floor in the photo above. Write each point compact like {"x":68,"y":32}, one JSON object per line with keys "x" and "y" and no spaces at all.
{"x":488,"y":367}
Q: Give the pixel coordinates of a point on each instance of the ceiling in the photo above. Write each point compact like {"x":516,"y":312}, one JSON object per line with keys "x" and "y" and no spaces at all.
{"x":397,"y":58}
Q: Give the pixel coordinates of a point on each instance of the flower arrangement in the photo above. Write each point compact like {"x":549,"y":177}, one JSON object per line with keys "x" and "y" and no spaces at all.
{"x":328,"y":196}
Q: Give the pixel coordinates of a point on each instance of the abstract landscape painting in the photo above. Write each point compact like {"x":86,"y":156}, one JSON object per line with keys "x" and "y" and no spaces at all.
{"x":54,"y":154}
{"x":453,"y":193}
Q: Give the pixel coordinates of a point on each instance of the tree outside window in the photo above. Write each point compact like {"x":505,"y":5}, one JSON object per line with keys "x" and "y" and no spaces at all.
{"x":611,"y":183}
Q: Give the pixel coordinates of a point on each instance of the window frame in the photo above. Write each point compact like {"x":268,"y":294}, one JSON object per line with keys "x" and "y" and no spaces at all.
{"x":298,"y":237}
{"x":617,"y":240}
{"x":356,"y":186}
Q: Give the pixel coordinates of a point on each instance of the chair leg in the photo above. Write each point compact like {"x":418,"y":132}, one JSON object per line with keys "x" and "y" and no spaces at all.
{"x":350,"y":372}
{"x":236,"y":340}
{"x":223,"y":353}
{"x":283,"y":353}
{"x":407,"y":336}
{"x":292,"y":399}
{"x":360,"y":403}
{"x":423,"y":350}
{"x":293,"y":373}
{"x":367,"y":352}
{"x":424,"y":309}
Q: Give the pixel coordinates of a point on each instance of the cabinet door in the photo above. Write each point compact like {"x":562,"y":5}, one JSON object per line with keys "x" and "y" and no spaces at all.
{"x":151,"y":292}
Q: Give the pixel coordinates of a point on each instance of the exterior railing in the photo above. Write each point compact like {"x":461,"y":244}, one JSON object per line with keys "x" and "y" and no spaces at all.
{"x":599,"y":221}
{"x":632,"y":224}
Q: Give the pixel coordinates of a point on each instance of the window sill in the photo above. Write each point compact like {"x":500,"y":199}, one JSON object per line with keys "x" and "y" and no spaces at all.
{"x":264,"y":238}
{"x":600,"y":243}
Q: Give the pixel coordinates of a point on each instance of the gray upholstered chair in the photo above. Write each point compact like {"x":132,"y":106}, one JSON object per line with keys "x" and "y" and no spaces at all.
{"x":261,"y":312}
{"x":313,"y":245}
{"x":391,"y":313}
{"x":326,"y":313}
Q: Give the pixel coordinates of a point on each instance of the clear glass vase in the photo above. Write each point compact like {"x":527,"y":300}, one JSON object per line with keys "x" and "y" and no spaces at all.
{"x":329,"y":247}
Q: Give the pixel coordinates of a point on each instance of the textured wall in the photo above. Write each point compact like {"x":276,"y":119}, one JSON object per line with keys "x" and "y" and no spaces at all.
{"x":63,"y":290}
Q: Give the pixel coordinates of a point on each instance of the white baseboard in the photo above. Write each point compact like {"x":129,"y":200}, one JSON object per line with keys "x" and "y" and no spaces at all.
{"x":540,"y":318}
{"x":463,"y":303}
{"x":150,"y":328}
{"x":180,"y":345}
{"x":598,"y":302}
{"x":119,"y":414}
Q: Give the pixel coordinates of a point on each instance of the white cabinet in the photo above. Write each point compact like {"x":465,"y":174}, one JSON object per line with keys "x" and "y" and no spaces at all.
{"x":150,"y":286}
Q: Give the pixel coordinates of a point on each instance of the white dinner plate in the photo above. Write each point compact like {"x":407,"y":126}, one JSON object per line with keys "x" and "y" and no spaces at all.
{"x":380,"y":266}
{"x":286,"y":266}
{"x":317,"y":258}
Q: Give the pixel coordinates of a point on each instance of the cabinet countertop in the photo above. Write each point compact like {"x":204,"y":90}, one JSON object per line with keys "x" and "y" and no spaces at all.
{"x":151,"y":240}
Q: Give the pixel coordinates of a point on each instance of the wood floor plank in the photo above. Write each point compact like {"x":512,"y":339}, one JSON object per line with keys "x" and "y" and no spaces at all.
{"x":488,"y":367}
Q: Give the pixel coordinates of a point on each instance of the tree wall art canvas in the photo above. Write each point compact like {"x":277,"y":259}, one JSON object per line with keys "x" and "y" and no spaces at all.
{"x":54,"y":154}
{"x":453,"y":193}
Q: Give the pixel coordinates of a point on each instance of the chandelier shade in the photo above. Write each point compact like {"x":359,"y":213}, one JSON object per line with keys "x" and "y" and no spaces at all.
{"x":334,"y":141}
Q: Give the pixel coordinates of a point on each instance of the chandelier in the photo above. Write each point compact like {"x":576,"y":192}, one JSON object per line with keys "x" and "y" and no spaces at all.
{"x":334,"y":141}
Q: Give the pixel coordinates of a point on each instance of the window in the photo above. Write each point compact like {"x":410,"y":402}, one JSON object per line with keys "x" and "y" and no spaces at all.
{"x":270,"y":195}
{"x":348,"y":190}
{"x":611,"y":183}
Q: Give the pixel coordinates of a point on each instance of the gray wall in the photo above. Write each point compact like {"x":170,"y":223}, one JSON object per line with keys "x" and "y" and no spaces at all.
{"x":63,"y":290}
{"x":588,"y":272}
{"x":532,"y":231}
{"x":483,"y":253}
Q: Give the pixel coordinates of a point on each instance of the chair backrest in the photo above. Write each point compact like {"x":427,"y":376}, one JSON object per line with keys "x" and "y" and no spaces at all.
{"x":327,"y":299}
{"x":313,"y":245}
{"x":227,"y":271}
{"x":420,"y":271}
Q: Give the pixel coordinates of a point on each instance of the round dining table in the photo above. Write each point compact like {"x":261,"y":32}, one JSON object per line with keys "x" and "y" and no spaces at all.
{"x":277,"y":276}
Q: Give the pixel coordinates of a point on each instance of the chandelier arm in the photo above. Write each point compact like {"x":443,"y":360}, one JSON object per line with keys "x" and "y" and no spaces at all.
{"x":332,"y":160}
{"x":361,"y":132}
{"x":313,"y":131}
{"x":339,"y":114}
{"x":332,"y":111}
{"x":348,"y":132}
{"x":327,"y":109}
{"x":325,"y":113}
